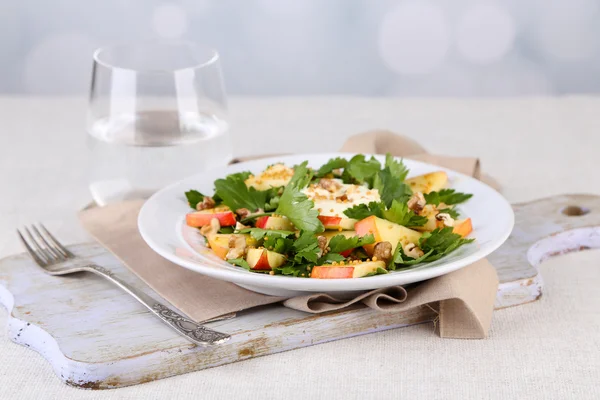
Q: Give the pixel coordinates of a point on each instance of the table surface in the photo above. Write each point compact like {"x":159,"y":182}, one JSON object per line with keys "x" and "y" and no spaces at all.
{"x":534,"y":147}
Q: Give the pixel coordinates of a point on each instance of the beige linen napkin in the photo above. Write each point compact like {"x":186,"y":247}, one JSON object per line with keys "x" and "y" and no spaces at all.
{"x":464,"y":298}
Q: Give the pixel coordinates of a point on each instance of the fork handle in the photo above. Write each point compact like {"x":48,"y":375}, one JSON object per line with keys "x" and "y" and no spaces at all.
{"x":191,"y":330}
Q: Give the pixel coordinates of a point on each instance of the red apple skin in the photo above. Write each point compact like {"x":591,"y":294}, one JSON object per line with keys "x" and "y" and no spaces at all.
{"x":264,"y":260}
{"x":261,"y":222}
{"x":365,"y":227}
{"x":330,"y":222}
{"x":274,"y":222}
{"x":332,"y":272}
{"x":346,"y":253}
{"x":198,"y":219}
{"x":263,"y":263}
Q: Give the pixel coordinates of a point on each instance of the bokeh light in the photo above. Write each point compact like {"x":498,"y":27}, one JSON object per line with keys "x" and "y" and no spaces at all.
{"x":66,"y":58}
{"x":169,"y":21}
{"x":485,"y":33}
{"x":568,"y":30}
{"x":414,"y":38}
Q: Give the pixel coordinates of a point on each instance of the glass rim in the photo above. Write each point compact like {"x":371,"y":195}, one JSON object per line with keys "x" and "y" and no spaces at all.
{"x":213,"y":57}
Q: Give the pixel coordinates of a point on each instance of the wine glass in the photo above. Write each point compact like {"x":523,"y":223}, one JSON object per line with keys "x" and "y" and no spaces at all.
{"x":157,"y":113}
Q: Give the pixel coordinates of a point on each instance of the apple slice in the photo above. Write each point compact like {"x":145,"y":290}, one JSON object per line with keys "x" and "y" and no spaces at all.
{"x":385,"y":231}
{"x":430,"y":211}
{"x":346,"y":271}
{"x":431,"y":182}
{"x":263,"y":259}
{"x":219,"y":242}
{"x":198,"y":219}
{"x":463,"y":227}
{"x":337,"y":223}
{"x":274,"y":222}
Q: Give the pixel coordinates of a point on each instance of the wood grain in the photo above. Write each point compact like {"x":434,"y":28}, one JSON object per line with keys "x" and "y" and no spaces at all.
{"x":97,"y":337}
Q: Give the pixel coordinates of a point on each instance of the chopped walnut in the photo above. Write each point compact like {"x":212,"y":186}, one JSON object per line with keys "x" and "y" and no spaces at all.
{"x":445,"y":218}
{"x":342,"y":198}
{"x":242,"y":212}
{"x":245,"y":213}
{"x":329,"y":184}
{"x":322,"y":241}
{"x":207,"y":202}
{"x":417,"y":202}
{"x":383,"y":251}
{"x":412,"y":250}
{"x":237,"y":247}
{"x":211,"y":228}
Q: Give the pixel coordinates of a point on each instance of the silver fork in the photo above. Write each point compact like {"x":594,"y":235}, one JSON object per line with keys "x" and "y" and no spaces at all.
{"x":56,"y":259}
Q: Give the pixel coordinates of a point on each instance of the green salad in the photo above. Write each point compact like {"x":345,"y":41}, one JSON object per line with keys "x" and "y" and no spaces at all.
{"x":350,"y":218}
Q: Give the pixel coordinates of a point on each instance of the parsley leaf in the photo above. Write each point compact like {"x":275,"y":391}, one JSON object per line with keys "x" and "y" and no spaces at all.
{"x":226,"y":229}
{"x":294,"y":204}
{"x":241,"y":175}
{"x":306,"y":247}
{"x":360,"y":170}
{"x":235,"y":194}
{"x":240,"y":262}
{"x":330,"y":257}
{"x":272,"y":199}
{"x":258,"y":233}
{"x":435,"y":245}
{"x":296,"y":270}
{"x":334,"y":163}
{"x":362,"y":211}
{"x":400,"y":214}
{"x":404,"y":260}
{"x":442,"y":241}
{"x":446,"y":196}
{"x":397,"y":168}
{"x":454,"y":213}
{"x":390,"y":187}
{"x":380,"y":271}
{"x":194,"y":197}
{"x":272,"y":203}
{"x":340,"y":243}
{"x":278,"y":244}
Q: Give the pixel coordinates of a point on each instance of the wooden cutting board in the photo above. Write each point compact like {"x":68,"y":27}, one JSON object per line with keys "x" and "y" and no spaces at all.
{"x":96,"y":337}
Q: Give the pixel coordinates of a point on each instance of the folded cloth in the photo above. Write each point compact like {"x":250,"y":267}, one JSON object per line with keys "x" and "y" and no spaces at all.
{"x":463,"y":298}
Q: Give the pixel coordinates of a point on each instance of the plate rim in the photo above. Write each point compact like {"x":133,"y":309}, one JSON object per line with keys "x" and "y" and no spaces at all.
{"x":244,"y":277}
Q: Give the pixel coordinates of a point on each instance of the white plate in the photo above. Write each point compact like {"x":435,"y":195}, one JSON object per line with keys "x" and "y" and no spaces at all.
{"x":161,"y":224}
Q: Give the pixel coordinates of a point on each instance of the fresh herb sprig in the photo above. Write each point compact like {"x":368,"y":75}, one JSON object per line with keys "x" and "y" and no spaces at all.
{"x":296,"y":206}
{"x":447,"y":196}
{"x":435,"y":245}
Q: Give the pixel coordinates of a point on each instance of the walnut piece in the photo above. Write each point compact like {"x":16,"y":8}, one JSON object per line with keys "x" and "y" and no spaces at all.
{"x":445,"y":218}
{"x":342,"y":198}
{"x":412,"y":250}
{"x":245,"y":213}
{"x":242,"y":212}
{"x":237,"y":247}
{"x":322,"y":241}
{"x":417,"y":202}
{"x":383,"y":251}
{"x":211,"y":228}
{"x":329,"y":184}
{"x":207,"y":202}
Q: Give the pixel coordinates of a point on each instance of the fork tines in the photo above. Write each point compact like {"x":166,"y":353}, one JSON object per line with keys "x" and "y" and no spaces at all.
{"x":42,"y":246}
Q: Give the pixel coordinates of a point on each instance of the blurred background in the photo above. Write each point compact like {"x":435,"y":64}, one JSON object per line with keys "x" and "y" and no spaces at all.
{"x":442,"y":48}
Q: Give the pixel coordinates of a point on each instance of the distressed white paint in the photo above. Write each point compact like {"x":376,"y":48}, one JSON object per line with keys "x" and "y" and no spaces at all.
{"x":96,"y":336}
{"x":536,"y":237}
